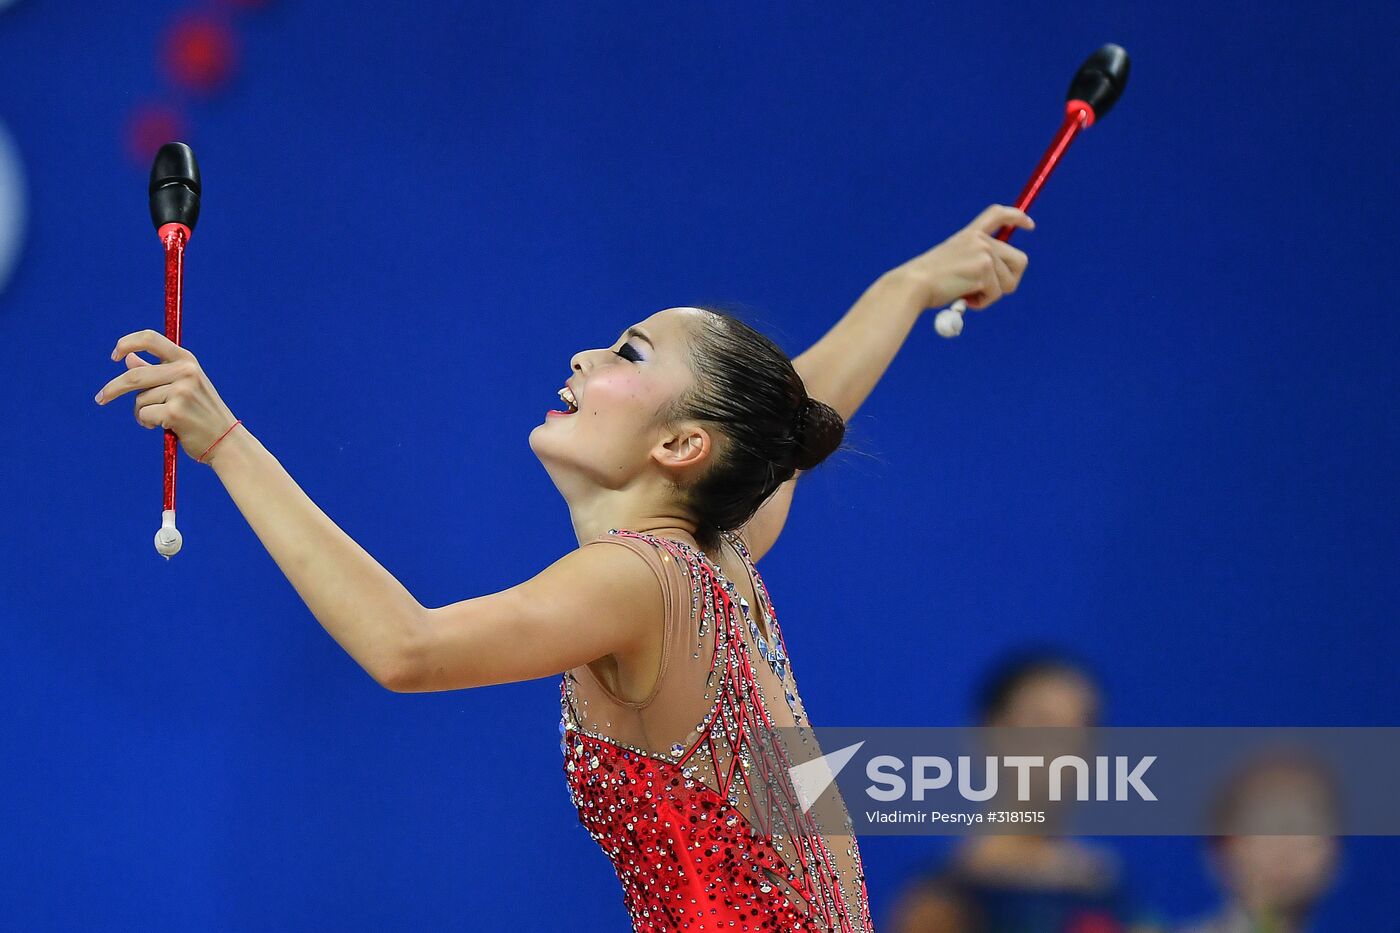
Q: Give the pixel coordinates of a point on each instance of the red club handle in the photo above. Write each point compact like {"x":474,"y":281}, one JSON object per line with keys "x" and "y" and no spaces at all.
{"x":174,"y":236}
{"x":1078,"y":116}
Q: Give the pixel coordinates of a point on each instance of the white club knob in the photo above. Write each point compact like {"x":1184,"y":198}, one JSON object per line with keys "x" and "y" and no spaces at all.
{"x":168,"y":539}
{"x":949,"y":321}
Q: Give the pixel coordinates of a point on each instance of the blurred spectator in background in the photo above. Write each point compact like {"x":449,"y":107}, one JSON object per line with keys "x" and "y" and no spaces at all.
{"x":1272,"y":880}
{"x":1026,"y":883}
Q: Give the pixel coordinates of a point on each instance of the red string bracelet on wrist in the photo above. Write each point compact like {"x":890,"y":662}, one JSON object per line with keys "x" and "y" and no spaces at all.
{"x":221,"y":437}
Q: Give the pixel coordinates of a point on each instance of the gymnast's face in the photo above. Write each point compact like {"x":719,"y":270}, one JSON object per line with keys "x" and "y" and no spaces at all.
{"x":615,"y":439}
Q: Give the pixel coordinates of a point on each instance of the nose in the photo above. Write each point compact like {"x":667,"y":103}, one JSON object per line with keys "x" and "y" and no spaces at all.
{"x":582,"y":357}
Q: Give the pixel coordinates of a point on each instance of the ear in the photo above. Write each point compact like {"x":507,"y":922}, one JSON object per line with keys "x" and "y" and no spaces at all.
{"x":686,"y":448}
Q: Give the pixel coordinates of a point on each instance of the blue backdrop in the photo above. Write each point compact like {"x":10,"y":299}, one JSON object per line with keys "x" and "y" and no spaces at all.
{"x":1172,"y":449}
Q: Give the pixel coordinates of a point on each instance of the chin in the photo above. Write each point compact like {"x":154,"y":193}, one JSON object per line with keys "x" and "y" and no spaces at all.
{"x":547,"y":452}
{"x":534,"y":443}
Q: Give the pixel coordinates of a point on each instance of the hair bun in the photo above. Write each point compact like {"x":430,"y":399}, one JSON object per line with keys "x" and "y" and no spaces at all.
{"x":799,"y":420}
{"x":817,"y":431}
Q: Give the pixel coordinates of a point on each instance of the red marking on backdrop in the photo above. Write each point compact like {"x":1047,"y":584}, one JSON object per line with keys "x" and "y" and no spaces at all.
{"x":199,"y":55}
{"x":199,"y":52}
{"x":149,"y":127}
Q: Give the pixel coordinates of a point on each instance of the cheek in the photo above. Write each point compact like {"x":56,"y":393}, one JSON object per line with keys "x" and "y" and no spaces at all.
{"x":620,"y":397}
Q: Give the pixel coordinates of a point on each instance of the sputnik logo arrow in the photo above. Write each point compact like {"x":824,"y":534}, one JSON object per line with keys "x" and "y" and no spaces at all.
{"x":813,"y":777}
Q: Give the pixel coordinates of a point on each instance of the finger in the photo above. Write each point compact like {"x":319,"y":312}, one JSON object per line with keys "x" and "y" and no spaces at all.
{"x":1006,"y":279}
{"x":1015,"y":259}
{"x":153,"y":342}
{"x":990,"y":290}
{"x":999,"y":270}
{"x":157,"y":395}
{"x":1000,"y":215}
{"x":139,"y":377}
{"x":132,"y":361}
{"x":154,"y":416}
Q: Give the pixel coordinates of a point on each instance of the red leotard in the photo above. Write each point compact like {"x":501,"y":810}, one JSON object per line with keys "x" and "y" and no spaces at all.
{"x":674,"y":787}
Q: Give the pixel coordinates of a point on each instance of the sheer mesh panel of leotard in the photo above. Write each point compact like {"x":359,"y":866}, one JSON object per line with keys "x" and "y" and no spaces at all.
{"x":707,"y":635}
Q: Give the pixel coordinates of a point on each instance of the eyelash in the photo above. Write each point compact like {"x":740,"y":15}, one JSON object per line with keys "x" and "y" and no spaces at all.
{"x":628,"y":347}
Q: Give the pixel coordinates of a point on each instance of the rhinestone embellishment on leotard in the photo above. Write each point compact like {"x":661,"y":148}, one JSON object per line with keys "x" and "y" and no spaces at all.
{"x":677,"y":827}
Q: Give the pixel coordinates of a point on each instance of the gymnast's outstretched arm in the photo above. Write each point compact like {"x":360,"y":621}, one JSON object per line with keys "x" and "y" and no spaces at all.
{"x":594,"y":601}
{"x":842,"y":368}
{"x":355,"y":599}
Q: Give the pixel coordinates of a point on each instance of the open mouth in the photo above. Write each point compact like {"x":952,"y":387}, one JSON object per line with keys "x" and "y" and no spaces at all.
{"x":566,"y":395}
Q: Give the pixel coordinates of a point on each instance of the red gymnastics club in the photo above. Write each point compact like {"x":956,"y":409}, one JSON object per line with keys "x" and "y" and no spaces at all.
{"x":174,"y":195}
{"x":1095,"y":89}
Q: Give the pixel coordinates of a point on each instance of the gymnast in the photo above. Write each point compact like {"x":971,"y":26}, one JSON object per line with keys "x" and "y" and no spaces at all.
{"x":680,"y":443}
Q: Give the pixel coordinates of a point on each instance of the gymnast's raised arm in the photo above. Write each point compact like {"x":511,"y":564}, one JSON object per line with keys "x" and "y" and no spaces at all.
{"x":842,"y":368}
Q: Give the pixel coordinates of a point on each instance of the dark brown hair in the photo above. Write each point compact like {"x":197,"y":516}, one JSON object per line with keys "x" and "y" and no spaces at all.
{"x":1022,"y":665}
{"x":746,"y":387}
